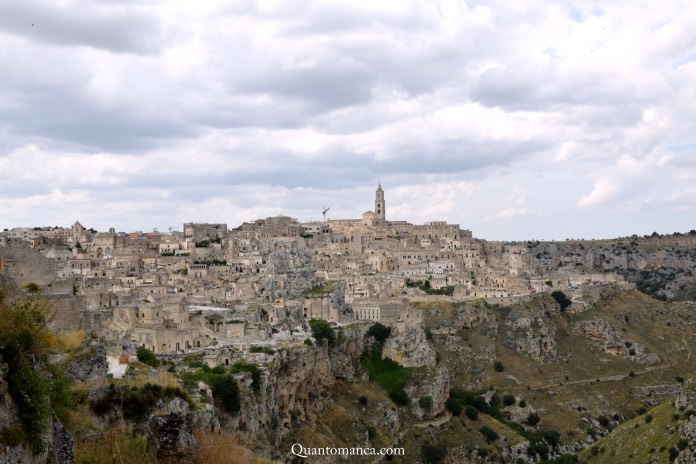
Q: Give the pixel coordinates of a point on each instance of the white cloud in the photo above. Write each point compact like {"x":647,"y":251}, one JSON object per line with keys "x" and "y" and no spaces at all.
{"x":522,"y":109}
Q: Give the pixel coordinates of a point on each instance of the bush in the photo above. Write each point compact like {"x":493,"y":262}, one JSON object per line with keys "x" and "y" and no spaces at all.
{"x":432,"y":453}
{"x":471,"y":412}
{"x":399,"y":397}
{"x":379,"y":331}
{"x":147,"y":357}
{"x":538,"y":448}
{"x":603,"y":421}
{"x":522,"y":404}
{"x":32,"y":288}
{"x":308,"y":342}
{"x":648,"y":418}
{"x":426,"y":403}
{"x":498,"y":366}
{"x":508,"y":400}
{"x":552,"y":437}
{"x":321,"y":330}
{"x":561,"y":299}
{"x":672,"y":454}
{"x":363,"y":400}
{"x":454,"y":406}
{"x":533,"y":419}
{"x":489,"y":434}
{"x":225,"y":389}
{"x":241,"y":366}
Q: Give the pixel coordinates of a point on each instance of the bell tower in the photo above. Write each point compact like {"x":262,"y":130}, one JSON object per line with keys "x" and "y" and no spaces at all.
{"x":380,"y":207}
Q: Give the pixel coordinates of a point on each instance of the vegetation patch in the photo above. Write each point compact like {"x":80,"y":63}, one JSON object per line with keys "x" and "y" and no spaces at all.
{"x":387,"y":373}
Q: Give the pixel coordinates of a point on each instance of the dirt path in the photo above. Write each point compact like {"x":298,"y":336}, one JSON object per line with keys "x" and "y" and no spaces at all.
{"x":687,"y":347}
{"x":608,"y":378}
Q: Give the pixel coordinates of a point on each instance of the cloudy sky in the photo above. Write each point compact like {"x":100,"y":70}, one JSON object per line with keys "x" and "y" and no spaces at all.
{"x":517,"y":120}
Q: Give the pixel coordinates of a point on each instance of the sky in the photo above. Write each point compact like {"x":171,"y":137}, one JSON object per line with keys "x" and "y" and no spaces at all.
{"x":517,"y":120}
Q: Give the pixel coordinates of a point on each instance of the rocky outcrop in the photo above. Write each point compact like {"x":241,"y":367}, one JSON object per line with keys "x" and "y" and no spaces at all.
{"x":409,"y":346}
{"x":530,"y":335}
{"x":686,"y":400}
{"x":611,"y":341}
{"x":89,"y":363}
{"x":294,"y":388}
{"x":470,"y":316}
{"x":62,"y":446}
{"x":435,"y":388}
{"x":59,"y":444}
{"x":170,"y":436}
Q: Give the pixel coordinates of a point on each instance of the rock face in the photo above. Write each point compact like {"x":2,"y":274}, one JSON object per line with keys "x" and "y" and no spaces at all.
{"x":90,"y":362}
{"x":60,"y":444}
{"x":294,"y":388}
{"x":437,"y":388}
{"x":611,"y":340}
{"x":62,"y":447}
{"x":686,"y":399}
{"x":171,"y":436}
{"x":409,"y":346}
{"x":531,"y":336}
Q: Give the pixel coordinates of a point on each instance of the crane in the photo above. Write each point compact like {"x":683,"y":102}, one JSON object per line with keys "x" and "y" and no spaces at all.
{"x":324,"y":212}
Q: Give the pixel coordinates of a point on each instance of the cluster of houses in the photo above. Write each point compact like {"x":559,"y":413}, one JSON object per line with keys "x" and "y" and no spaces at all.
{"x":210,"y":285}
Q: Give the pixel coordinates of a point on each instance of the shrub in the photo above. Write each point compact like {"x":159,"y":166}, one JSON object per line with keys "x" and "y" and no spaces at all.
{"x":533,"y":419}
{"x":225,"y":389}
{"x":489,"y":434}
{"x":363,"y":400}
{"x":522,"y":404}
{"x":241,"y":366}
{"x":32,"y":288}
{"x":426,"y":403}
{"x":561,"y":299}
{"x":147,"y":357}
{"x":648,"y":418}
{"x":508,"y":400}
{"x":379,"y":331}
{"x":399,"y":397}
{"x":552,"y":437}
{"x":308,"y":342}
{"x":672,"y":454}
{"x":498,"y":366}
{"x":321,"y":330}
{"x":603,"y":421}
{"x":538,"y":448}
{"x":454,"y":406}
{"x":432,"y":453}
{"x":471,"y":412}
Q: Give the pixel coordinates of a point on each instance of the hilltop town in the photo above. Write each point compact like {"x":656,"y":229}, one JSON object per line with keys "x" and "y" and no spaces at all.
{"x":351,"y":332}
{"x":212,"y":285}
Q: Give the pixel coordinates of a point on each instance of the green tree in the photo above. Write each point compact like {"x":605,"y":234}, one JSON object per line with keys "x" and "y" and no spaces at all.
{"x":562,"y":299}
{"x":146,"y":356}
{"x":379,"y":331}
{"x":321,"y":330}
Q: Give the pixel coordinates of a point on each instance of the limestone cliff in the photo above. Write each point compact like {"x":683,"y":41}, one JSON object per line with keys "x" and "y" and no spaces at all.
{"x":409,"y":346}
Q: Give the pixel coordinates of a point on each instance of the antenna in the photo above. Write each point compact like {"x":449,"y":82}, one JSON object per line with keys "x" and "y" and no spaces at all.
{"x":324,"y":212}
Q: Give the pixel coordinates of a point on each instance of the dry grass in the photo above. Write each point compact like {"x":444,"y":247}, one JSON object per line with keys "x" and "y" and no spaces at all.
{"x":113,"y":446}
{"x":137,"y":376}
{"x":223,"y":448}
{"x":68,"y":342}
